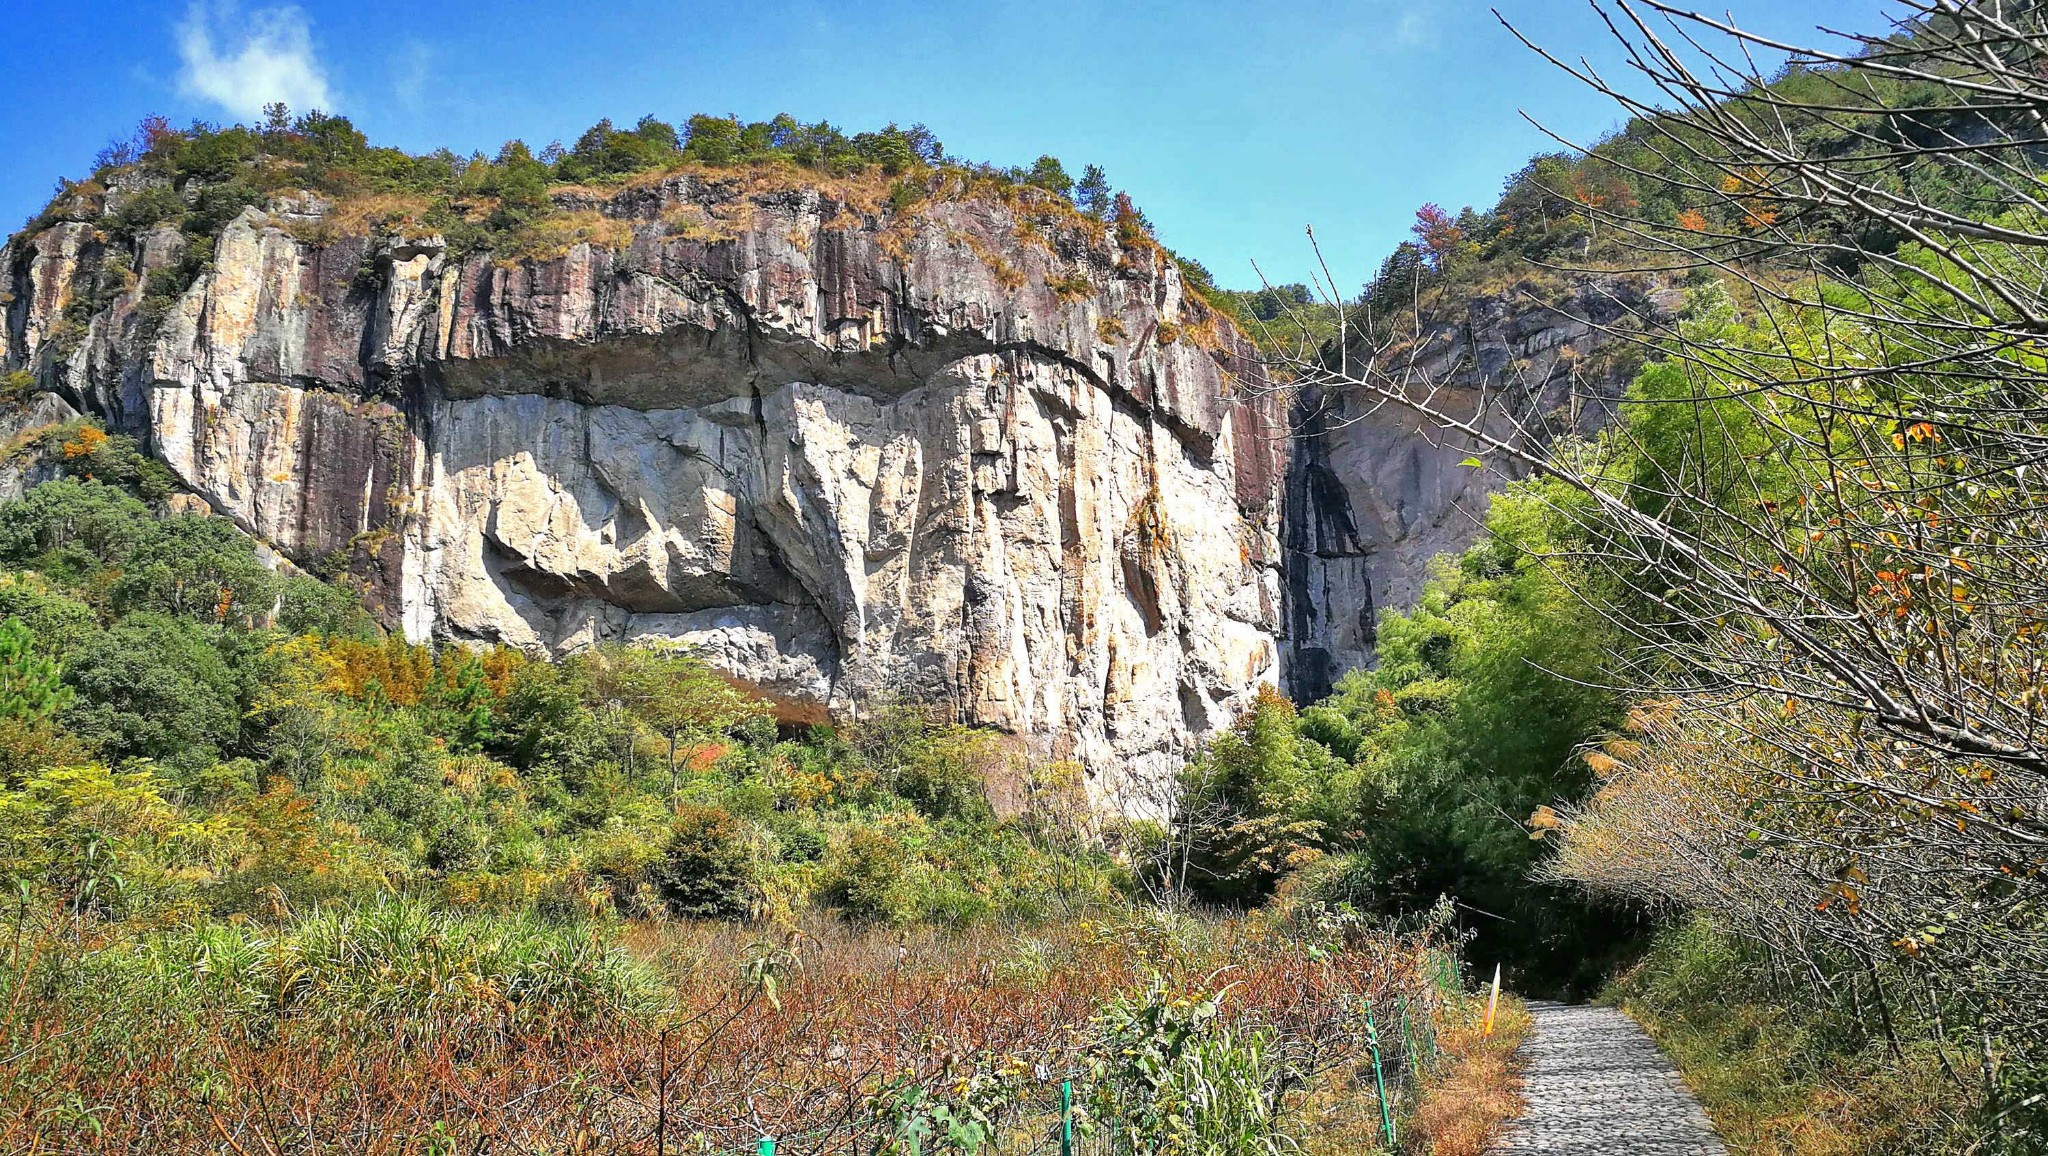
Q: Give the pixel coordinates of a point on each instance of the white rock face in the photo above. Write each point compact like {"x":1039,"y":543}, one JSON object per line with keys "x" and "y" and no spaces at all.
{"x":846,"y":454}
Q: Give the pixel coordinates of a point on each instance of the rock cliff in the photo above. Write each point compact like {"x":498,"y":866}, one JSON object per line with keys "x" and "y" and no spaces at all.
{"x":1372,"y":497}
{"x":975,"y":451}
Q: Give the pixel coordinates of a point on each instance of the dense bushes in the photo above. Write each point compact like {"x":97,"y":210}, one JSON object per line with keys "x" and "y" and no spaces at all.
{"x":102,"y":542}
{"x":603,"y":895}
{"x":399,"y":968}
{"x":1168,"y":1068}
{"x":707,"y":869}
{"x":229,"y":739}
{"x":152,"y":687}
{"x":1412,"y":781}
{"x":400,"y":1022}
{"x":873,"y":877}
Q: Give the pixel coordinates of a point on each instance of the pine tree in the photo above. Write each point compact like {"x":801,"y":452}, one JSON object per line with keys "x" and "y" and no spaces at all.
{"x":471,"y":699}
{"x":30,"y":686}
{"x":1049,"y":174}
{"x":1091,"y":195}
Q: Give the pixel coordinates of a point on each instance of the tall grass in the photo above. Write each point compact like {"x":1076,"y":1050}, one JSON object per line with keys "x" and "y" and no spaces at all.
{"x":1480,"y":1091}
{"x":393,"y":1026}
{"x":399,"y":967}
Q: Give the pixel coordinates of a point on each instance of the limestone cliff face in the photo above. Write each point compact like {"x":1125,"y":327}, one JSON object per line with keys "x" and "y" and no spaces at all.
{"x":1372,"y":497}
{"x":974,"y":452}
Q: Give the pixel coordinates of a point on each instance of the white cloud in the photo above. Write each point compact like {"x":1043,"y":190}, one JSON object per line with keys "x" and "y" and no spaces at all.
{"x":1414,"y":30}
{"x":413,"y":67}
{"x":245,"y":60}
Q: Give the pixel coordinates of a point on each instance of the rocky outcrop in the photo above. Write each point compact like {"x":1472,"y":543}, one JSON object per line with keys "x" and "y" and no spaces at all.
{"x":975,"y":452}
{"x":1373,"y":496}
{"x":20,"y":466}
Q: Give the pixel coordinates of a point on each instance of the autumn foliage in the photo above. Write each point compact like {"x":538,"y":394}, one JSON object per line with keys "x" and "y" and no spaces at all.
{"x":830,"y":1039}
{"x":1438,"y":233}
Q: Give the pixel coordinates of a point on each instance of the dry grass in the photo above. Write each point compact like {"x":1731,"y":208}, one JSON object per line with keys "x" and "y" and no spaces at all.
{"x":716,"y":1062}
{"x":1479,"y":1088}
{"x":374,"y":214}
{"x":1006,"y":274}
{"x":863,"y":192}
{"x":382,"y":212}
{"x":552,"y":237}
{"x":1746,"y":1064}
{"x":1801,"y":1079}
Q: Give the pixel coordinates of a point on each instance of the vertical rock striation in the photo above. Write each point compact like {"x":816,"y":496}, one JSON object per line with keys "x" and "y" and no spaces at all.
{"x":1372,"y":497}
{"x":976,"y":452}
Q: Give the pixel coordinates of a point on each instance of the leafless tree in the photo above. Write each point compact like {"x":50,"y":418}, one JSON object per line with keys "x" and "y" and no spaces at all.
{"x":1822,"y":526}
{"x":1162,"y":829}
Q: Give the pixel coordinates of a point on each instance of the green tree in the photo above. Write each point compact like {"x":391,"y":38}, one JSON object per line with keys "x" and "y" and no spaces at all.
{"x":1248,"y":797}
{"x":674,"y":694}
{"x":471,"y":700}
{"x":1092,"y":193}
{"x":195,"y":567}
{"x":712,"y":140}
{"x":153,"y":687}
{"x":940,"y":767}
{"x":604,"y":151}
{"x":71,"y":528}
{"x":89,"y":452}
{"x":85,"y":835}
{"x":31,"y":686}
{"x":310,"y":606}
{"x":1484,"y":693}
{"x":1049,"y":174}
{"x":58,"y":621}
{"x":708,"y":869}
{"x":892,"y":148}
{"x":876,"y":875}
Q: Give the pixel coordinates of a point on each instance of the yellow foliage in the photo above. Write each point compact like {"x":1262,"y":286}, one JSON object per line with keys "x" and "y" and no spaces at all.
{"x":84,"y":444}
{"x":402,"y":673}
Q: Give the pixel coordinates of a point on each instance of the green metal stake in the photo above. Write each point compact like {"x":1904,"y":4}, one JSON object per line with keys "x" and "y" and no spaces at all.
{"x":766,"y":1147}
{"x":1379,"y":1078}
{"x":1066,"y":1118}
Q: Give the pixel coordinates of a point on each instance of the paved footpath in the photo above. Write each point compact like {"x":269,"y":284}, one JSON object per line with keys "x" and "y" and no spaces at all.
{"x":1597,"y":1085}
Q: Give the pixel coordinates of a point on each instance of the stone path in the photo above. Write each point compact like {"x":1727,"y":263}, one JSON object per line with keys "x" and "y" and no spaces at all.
{"x":1597,"y":1085}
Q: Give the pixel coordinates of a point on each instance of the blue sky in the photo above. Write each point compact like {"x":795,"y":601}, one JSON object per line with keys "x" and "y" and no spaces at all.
{"x":1232,"y":124}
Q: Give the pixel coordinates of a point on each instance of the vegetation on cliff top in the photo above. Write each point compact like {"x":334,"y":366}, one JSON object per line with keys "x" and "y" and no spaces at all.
{"x":520,"y":206}
{"x":478,"y":198}
{"x":1574,"y":211}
